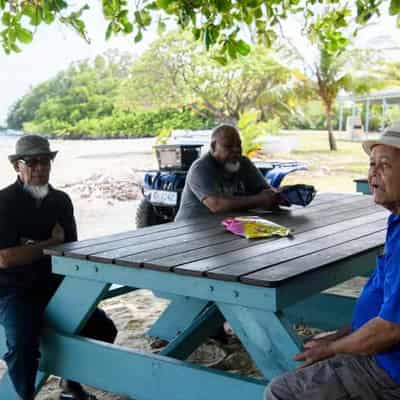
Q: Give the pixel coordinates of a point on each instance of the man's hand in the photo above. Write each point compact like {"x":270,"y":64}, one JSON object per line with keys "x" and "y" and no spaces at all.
{"x":317,"y":350}
{"x":320,"y":346}
{"x":268,"y":198}
{"x":57,"y":234}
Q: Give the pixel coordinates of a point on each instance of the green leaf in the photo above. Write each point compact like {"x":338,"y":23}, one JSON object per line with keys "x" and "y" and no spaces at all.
{"x":60,"y":4}
{"x":109,"y":30}
{"x":223,"y":5}
{"x":48,"y":17}
{"x":15,"y":48}
{"x":128,"y":27}
{"x":146,"y":18}
{"x":232,"y":50}
{"x":394,"y":8}
{"x":164,"y":3}
{"x":161,"y":26}
{"x":221,"y":60}
{"x":6,"y":19}
{"x":242,"y":48}
{"x":23,"y":35}
{"x":3,"y":4}
{"x":138,"y":37}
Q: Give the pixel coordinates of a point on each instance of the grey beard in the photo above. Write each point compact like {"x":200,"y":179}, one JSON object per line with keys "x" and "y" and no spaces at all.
{"x":232,"y":166}
{"x":37,"y":192}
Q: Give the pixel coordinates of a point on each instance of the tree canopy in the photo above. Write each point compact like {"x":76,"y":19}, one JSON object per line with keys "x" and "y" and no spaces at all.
{"x":216,"y":23}
{"x":177,"y":71}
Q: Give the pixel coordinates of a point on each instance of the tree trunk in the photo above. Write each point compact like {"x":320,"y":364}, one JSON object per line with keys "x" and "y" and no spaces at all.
{"x":332,"y":140}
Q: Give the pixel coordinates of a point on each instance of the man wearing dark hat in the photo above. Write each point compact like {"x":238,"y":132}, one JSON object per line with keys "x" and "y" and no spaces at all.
{"x":33,"y":216}
{"x":361,"y":361}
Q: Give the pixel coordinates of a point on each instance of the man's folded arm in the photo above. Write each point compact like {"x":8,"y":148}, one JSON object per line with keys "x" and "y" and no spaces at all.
{"x":266,"y":199}
{"x":12,"y":252}
{"x":24,"y":254}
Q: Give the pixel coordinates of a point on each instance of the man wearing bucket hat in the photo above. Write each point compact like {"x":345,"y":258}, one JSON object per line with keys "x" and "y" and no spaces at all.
{"x":361,"y":361}
{"x":33,"y":216}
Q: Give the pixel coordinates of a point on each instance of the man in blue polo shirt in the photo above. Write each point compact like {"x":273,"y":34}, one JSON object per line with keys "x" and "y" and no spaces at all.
{"x":361,"y":361}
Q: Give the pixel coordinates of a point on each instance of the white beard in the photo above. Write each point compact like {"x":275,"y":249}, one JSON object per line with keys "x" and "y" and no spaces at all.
{"x":232,"y":166}
{"x":37,"y":192}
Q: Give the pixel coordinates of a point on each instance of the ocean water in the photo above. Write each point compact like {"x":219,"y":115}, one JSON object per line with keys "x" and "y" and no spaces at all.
{"x":9,"y":136}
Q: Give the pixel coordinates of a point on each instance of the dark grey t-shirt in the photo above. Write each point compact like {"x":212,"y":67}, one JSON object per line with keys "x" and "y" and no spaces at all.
{"x":207,"y":177}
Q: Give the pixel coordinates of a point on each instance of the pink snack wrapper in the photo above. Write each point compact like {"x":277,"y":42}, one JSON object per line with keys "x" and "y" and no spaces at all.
{"x":253,"y":227}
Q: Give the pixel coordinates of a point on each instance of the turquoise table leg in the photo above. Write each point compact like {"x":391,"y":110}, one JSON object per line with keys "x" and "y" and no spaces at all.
{"x":205,"y":325}
{"x":265,"y":335}
{"x":179,"y":314}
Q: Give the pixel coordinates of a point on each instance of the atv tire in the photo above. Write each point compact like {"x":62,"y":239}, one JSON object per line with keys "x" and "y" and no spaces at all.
{"x":146,"y":215}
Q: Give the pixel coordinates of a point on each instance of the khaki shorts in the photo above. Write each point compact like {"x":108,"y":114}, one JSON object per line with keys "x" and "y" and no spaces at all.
{"x":341,"y":377}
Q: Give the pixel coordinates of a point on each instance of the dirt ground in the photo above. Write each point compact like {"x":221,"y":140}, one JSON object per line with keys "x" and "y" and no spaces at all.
{"x":101,"y":178}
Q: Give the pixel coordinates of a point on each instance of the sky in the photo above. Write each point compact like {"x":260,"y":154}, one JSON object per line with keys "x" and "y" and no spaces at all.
{"x":54,"y":47}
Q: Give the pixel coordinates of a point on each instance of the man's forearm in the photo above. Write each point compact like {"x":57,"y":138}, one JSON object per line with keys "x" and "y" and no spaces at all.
{"x":225,"y":203}
{"x":374,"y":337}
{"x":25,"y":254}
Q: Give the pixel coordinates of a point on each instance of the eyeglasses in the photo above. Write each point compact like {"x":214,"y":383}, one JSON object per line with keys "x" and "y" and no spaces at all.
{"x":34,"y":161}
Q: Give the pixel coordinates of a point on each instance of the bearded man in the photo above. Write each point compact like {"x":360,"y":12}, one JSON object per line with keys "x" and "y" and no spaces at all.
{"x":224,"y":180}
{"x":33,"y":216}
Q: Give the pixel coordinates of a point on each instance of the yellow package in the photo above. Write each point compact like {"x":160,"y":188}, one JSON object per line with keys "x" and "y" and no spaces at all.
{"x":254,"y":227}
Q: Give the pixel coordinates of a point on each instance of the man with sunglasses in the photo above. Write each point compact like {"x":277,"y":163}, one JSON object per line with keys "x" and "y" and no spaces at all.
{"x":33,"y":216}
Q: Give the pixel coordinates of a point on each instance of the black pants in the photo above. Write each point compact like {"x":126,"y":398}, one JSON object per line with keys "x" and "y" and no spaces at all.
{"x":21,"y":314}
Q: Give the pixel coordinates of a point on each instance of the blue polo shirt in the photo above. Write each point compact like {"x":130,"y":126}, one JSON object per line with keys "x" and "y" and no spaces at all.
{"x":381,"y":296}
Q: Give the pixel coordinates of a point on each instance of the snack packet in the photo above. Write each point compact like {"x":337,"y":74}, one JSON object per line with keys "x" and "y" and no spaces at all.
{"x":254,"y":227}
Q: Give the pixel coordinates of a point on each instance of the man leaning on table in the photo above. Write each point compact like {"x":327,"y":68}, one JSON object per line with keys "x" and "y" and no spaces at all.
{"x":361,"y":361}
{"x":34,"y":215}
{"x":225,"y":180}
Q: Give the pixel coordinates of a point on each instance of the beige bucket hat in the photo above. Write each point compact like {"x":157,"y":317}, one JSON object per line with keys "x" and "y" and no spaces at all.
{"x":389,"y":137}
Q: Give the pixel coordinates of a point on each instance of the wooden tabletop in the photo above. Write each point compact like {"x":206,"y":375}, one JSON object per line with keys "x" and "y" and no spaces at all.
{"x":332,"y":228}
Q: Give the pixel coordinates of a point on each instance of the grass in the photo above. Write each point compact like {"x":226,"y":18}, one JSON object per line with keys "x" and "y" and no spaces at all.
{"x":329,"y":171}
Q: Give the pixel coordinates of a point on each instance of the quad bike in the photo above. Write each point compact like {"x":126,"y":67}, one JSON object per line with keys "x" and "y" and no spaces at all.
{"x":162,"y":189}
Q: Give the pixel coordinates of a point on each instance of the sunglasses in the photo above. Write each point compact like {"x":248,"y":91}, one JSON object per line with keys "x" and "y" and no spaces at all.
{"x":34,"y":161}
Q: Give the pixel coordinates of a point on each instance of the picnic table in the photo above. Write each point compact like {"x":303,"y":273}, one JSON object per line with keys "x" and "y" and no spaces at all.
{"x":261,"y":287}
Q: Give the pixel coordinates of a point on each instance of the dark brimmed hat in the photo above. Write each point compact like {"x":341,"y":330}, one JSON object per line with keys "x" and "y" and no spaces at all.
{"x":31,"y":145}
{"x":389,"y":137}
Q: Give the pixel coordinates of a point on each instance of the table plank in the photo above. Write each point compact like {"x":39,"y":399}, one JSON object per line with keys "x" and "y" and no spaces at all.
{"x":276,"y":276}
